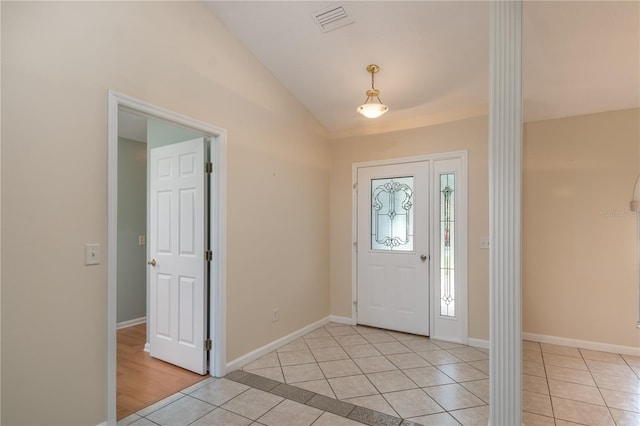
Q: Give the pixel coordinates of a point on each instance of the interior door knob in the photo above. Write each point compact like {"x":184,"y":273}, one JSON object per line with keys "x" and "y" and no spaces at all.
{"x":152,"y":262}
{"x":423,"y":257}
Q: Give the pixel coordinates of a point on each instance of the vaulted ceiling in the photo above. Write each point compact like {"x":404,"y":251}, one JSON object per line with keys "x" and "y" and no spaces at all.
{"x":578,"y":57}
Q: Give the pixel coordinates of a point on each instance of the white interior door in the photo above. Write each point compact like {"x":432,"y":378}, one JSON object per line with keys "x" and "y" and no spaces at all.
{"x":177,"y":269}
{"x":393,"y":247}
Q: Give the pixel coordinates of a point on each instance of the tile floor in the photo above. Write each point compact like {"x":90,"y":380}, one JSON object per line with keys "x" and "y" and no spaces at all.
{"x":344,"y":375}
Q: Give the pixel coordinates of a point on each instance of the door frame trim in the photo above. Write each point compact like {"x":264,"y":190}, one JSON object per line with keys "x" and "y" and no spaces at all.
{"x":217,"y":233}
{"x":460,"y":155}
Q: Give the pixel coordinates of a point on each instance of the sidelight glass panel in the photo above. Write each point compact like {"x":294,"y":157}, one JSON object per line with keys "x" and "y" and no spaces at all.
{"x":392,"y":214}
{"x":447,"y":245}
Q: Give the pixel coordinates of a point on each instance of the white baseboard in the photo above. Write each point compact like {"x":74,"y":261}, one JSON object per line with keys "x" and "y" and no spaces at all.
{"x":342,"y":320}
{"x":147,"y":347}
{"x":584,"y":344}
{"x":478,"y":343}
{"x":103,"y":424}
{"x":131,"y":323}
{"x":245,"y":359}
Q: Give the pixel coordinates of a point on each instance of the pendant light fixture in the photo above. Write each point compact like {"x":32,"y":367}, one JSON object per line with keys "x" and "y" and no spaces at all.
{"x":370,"y":108}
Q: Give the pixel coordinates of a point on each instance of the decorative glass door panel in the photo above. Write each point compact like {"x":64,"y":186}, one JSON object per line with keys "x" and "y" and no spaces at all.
{"x":392,"y":214}
{"x":447,"y":245}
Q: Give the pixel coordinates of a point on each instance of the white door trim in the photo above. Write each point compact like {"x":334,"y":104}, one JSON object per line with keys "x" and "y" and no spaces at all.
{"x":459,"y":155}
{"x":217,"y":232}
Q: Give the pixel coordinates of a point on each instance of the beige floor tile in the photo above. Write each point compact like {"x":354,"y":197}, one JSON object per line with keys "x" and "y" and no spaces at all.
{"x":329,"y":419}
{"x":220,"y":417}
{"x":273,"y":373}
{"x":453,"y":397}
{"x":576,"y":392}
{"x":560,"y":350}
{"x":535,"y":384}
{"x":290,"y":413}
{"x":364,"y":329}
{"x":564,"y":361}
{"x":621,"y":400}
{"x":479,"y":388}
{"x":468,"y":354}
{"x":625,"y":418}
{"x":220,"y":391}
{"x":581,"y":412}
{"x":342,"y":331}
{"x":570,"y":375}
{"x":439,"y":419}
{"x":374,"y":402}
{"x":319,"y":332}
{"x":320,"y":342}
{"x":628,"y":384}
{"x":408,"y":360}
{"x":296,"y":357}
{"x":566,"y":423}
{"x":533,"y":369}
{"x":532,"y":356}
{"x":296,"y":345}
{"x":354,"y":339}
{"x":531,"y":419}
{"x":421,"y":345}
{"x":447,"y":345}
{"x":537,"y":403}
{"x":352,"y":387}
{"x":252,"y":403}
{"x":602,"y":356}
{"x":481,"y":365}
{"x":476,"y":416}
{"x":412,"y":403}
{"x":374,"y":364}
{"x":439,"y":357}
{"x":269,"y":360}
{"x":318,"y":386}
{"x":184,"y":411}
{"x":402,"y":337}
{"x":379,"y":337}
{"x":359,"y":351}
{"x":610,"y":368}
{"x":391,"y":348}
{"x":391,"y":381}
{"x":329,"y":354}
{"x":462,"y":372}
{"x":340,"y":368}
{"x":427,"y":376}
{"x":528,"y":345}
{"x":632,"y":360}
{"x":302,"y":373}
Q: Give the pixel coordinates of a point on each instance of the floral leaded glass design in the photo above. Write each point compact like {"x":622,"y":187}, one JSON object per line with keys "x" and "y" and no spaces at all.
{"x":447,"y":245}
{"x":392,"y":214}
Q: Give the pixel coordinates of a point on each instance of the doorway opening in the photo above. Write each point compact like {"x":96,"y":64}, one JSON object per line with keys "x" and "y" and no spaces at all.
{"x":206,"y":337}
{"x":409,"y":257}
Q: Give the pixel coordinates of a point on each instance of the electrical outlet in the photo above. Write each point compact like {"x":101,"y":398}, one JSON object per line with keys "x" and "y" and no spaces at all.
{"x":142,"y":240}
{"x":484,"y":243}
{"x":275,"y":315}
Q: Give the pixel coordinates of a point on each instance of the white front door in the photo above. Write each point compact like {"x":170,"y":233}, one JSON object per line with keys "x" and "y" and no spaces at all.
{"x":177,"y":269}
{"x":393,"y":247}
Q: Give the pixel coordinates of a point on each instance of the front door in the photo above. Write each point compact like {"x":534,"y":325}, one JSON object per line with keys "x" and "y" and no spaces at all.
{"x":393,"y":247}
{"x":177,"y":265}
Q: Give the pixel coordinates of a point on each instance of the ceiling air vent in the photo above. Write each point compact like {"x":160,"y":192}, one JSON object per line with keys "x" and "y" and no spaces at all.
{"x":331,"y":18}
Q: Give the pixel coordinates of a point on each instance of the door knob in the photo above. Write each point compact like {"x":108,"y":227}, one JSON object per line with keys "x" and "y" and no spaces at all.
{"x":152,"y":262}
{"x":423,"y":257}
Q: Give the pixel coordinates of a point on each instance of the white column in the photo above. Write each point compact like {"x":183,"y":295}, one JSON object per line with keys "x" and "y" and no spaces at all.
{"x":505,"y":177}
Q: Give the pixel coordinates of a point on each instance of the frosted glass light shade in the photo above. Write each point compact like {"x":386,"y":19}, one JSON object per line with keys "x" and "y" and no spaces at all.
{"x":372,"y":109}
{"x":635,"y":203}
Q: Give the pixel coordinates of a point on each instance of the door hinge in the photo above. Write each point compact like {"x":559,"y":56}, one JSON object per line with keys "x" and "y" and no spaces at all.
{"x":355,"y":305}
{"x":355,"y":245}
{"x":208,"y":167}
{"x":355,"y":186}
{"x":207,"y":345}
{"x":208,"y":255}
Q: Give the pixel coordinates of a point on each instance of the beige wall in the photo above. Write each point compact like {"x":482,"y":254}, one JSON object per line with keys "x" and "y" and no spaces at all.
{"x":579,"y":237}
{"x":471,"y":135}
{"x":58,"y":61}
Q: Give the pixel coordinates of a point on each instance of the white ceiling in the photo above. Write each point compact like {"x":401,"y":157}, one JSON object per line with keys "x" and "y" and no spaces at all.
{"x":578,"y":57}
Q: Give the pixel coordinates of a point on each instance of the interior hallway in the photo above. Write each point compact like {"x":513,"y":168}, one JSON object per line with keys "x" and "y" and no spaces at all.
{"x":344,"y":375}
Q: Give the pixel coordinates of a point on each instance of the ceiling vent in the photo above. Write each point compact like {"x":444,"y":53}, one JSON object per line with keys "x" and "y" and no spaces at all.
{"x":331,"y":18}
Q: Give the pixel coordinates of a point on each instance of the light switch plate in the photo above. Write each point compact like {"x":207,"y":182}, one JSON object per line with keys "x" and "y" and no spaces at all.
{"x":484,"y":243}
{"x":92,"y":254}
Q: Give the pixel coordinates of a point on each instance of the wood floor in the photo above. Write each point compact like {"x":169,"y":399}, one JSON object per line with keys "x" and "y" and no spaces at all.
{"x":142,"y":380}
